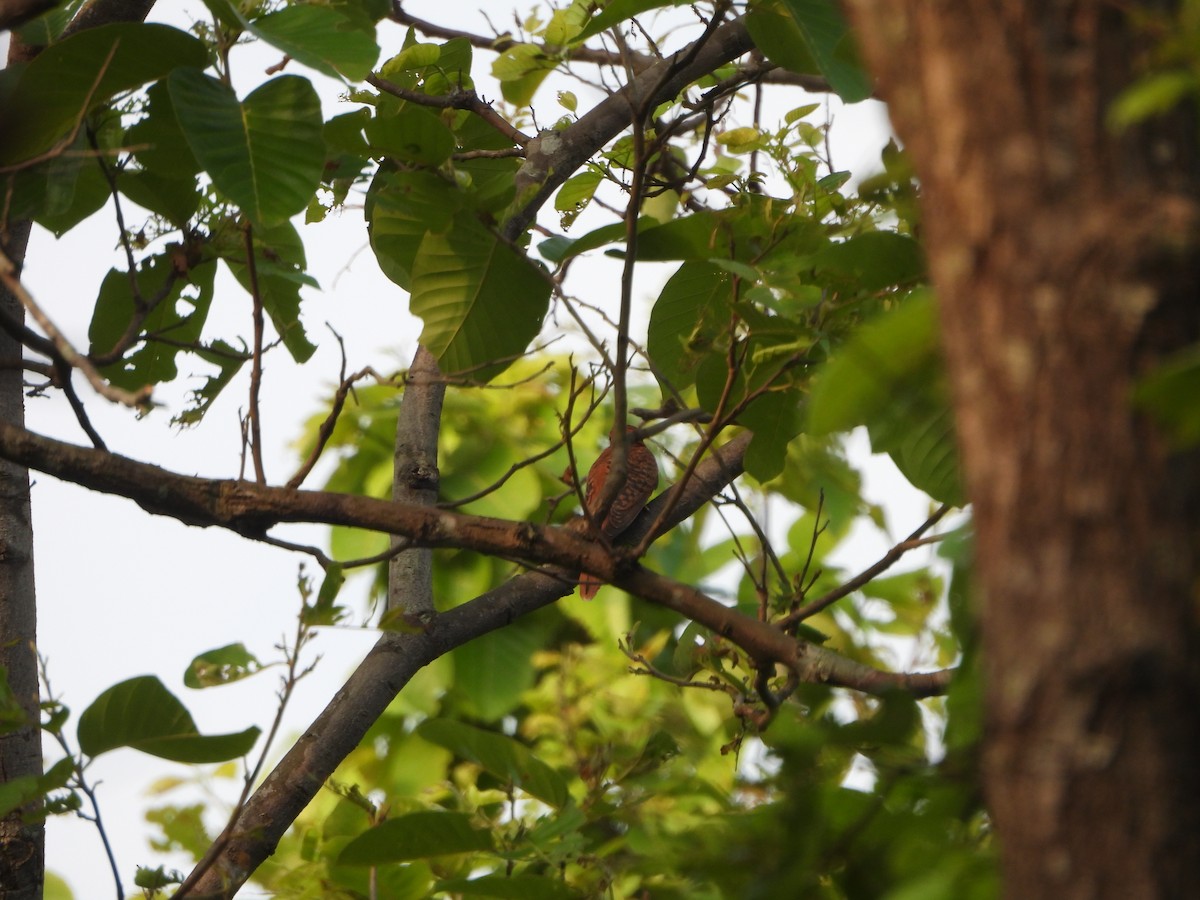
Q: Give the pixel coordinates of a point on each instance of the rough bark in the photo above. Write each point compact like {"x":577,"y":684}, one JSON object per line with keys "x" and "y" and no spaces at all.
{"x":22,"y":845}
{"x":1067,"y":262}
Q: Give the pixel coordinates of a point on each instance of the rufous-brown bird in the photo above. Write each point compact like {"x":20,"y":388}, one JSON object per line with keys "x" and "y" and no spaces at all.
{"x":641,"y":478}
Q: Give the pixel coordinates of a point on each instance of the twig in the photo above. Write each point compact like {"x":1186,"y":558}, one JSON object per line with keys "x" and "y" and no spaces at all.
{"x":139,"y":399}
{"x":458,"y":98}
{"x":289,"y":681}
{"x":528,"y":461}
{"x":254,"y":414}
{"x":888,"y":559}
{"x":81,"y":781}
{"x":339,"y":401}
{"x":713,"y":684}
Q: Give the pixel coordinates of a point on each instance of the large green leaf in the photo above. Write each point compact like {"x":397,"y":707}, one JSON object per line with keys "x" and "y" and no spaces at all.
{"x":492,"y":671}
{"x":410,"y":133}
{"x":889,"y":377}
{"x":831,"y":44}
{"x":778,"y":36}
{"x":401,"y":207}
{"x":689,"y":316}
{"x":506,"y":759}
{"x":157,"y":139}
{"x":860,"y":380}
{"x":265,"y":153}
{"x":321,"y":38}
{"x":142,"y":714}
{"x":872,"y":261}
{"x":68,"y":79}
{"x":417,"y":835}
{"x":482,"y":300}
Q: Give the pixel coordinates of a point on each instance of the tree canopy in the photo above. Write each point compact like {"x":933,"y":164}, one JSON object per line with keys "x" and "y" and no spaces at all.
{"x":737,"y":714}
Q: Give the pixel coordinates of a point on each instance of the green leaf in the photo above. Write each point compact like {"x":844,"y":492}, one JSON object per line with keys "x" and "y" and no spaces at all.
{"x":417,"y":835}
{"x":776,"y":34}
{"x":503,"y":757}
{"x":224,"y":665}
{"x":482,"y":300}
{"x":861,"y":378}
{"x":828,"y":38}
{"x":228,"y":360}
{"x":265,"y":153}
{"x":157,"y":139}
{"x":1152,"y":95}
{"x":492,"y":671}
{"x":873,"y":261}
{"x":516,"y":887}
{"x":180,"y":316}
{"x":918,"y":434}
{"x":776,"y":419}
{"x":142,"y":714}
{"x":279,"y":264}
{"x":175,"y":199}
{"x":412,"y":134}
{"x":321,"y":38}
{"x":521,"y":69}
{"x":401,"y":207}
{"x":1168,"y":393}
{"x":47,"y":27}
{"x":689,"y":317}
{"x":68,"y":79}
{"x":889,"y":377}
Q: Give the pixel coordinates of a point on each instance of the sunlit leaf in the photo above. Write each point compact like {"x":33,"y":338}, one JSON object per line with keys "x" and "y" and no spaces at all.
{"x":500,"y":755}
{"x":482,"y":300}
{"x":223,"y":665}
{"x":417,"y":835}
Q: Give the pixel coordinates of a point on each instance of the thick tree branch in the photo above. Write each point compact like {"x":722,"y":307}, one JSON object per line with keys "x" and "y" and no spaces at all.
{"x":397,"y":657}
{"x":553,"y":156}
{"x":635,"y":60}
{"x":415,"y":481}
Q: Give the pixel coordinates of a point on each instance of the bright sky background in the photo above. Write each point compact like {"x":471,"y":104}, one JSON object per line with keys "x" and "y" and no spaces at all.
{"x":122,"y":593}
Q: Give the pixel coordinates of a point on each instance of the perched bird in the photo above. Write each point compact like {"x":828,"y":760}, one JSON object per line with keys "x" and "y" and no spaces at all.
{"x":641,"y":478}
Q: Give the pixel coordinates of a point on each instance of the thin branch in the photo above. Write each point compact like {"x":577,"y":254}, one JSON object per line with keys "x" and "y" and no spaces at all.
{"x":639,"y":61}
{"x":864,"y":577}
{"x":325,"y":432}
{"x":551,"y":160}
{"x":290,"y":679}
{"x":713,"y":684}
{"x":255,"y":413}
{"x":458,"y":98}
{"x":528,"y":461}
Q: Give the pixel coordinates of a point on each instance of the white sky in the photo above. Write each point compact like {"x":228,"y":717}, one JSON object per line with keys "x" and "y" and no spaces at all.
{"x":122,"y":593}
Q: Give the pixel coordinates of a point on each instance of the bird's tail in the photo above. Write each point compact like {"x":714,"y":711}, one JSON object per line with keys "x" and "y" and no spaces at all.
{"x":589,"y":586}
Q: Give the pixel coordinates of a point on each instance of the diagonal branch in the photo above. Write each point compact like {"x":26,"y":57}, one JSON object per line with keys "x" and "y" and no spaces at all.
{"x":553,"y":156}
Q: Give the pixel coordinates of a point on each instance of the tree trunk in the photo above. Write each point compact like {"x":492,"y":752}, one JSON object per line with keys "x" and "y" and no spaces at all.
{"x":1066,"y":263}
{"x":22,"y":845}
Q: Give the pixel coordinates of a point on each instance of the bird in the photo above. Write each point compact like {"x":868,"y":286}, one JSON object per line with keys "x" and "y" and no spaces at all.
{"x":641,"y":479}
